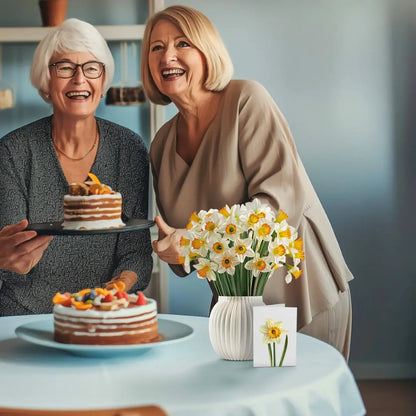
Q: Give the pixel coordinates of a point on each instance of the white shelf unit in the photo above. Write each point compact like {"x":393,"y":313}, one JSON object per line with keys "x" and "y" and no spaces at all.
{"x":158,"y":287}
{"x":35,"y":34}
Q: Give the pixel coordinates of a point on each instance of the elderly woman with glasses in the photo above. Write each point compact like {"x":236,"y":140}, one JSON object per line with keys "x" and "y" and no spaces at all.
{"x":72,"y":69}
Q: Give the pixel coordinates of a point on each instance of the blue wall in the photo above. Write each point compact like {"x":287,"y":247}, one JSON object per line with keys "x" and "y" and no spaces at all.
{"x":342,"y":72}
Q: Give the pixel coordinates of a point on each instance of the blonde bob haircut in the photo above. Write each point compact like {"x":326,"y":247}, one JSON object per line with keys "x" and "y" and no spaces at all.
{"x":73,"y":35}
{"x":202,"y":34}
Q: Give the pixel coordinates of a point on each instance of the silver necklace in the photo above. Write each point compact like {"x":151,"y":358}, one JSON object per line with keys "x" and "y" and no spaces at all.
{"x":77,"y":158}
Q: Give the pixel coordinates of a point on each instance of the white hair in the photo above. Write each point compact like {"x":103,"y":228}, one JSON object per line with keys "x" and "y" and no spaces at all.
{"x":73,"y":35}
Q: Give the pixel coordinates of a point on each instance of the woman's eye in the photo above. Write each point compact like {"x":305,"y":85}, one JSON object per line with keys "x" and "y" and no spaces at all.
{"x":183,"y":44}
{"x":156,"y":48}
{"x":65,"y":68}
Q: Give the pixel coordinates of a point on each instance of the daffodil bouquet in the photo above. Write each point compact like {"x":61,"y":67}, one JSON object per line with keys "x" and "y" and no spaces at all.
{"x":238,"y":247}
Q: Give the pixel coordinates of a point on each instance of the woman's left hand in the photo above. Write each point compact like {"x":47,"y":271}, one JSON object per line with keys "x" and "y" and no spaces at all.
{"x":128,"y":277}
{"x":167,"y":247}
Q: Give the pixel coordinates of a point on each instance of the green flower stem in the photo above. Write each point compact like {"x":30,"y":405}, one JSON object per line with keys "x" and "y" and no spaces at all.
{"x":227,"y":284}
{"x":224,"y":285}
{"x":233,"y":285}
{"x":243,"y":280}
{"x":270,"y":354}
{"x":284,"y":351}
{"x":216,"y":286}
{"x":264,"y":245}
{"x":252,"y":283}
{"x":237,"y":278}
{"x":221,"y":289}
{"x":274,"y":354}
{"x":246,"y":280}
{"x":262,"y":282}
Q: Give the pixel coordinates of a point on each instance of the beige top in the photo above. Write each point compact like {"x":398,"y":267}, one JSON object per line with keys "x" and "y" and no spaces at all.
{"x":248,"y":152}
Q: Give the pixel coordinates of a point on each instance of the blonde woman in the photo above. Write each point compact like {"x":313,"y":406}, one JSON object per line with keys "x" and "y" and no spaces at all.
{"x":228,"y":144}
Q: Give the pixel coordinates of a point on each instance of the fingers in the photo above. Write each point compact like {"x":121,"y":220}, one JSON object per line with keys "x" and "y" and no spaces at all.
{"x":128,"y":277}
{"x":164,"y":228}
{"x":21,"y":250}
{"x":25,"y":256}
{"x":32,"y":259}
{"x":34,"y":244}
{"x":15,"y":228}
{"x":167,"y":249}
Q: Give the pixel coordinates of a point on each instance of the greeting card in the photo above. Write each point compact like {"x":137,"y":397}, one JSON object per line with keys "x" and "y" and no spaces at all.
{"x":274,"y":336}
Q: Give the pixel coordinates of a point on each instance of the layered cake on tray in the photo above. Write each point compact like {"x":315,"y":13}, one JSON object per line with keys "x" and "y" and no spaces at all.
{"x":105,"y":317}
{"x":92,"y":205}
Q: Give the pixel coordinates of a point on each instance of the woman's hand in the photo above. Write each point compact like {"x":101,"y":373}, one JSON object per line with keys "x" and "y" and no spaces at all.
{"x":127,"y":276}
{"x":21,"y":250}
{"x":167,"y":247}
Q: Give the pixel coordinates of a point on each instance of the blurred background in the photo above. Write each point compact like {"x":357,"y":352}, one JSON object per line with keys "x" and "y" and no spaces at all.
{"x":344,"y":75}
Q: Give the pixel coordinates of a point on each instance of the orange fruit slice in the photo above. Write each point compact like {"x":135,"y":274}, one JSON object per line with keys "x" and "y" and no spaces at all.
{"x":94,"y":178}
{"x":60,"y":299}
{"x":119,"y":285}
{"x":81,"y":305}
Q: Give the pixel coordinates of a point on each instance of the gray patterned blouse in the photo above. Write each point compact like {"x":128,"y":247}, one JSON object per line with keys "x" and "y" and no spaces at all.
{"x":32,"y":186}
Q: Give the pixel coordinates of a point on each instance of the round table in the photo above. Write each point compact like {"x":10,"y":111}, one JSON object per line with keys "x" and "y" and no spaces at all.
{"x":184,"y":377}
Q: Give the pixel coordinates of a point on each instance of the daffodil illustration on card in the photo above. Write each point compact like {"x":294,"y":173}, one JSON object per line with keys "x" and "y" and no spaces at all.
{"x":274,"y":336}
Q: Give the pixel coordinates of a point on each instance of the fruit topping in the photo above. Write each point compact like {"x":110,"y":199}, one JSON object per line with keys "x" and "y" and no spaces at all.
{"x":141,"y":300}
{"x":93,"y":187}
{"x":100,"y":298}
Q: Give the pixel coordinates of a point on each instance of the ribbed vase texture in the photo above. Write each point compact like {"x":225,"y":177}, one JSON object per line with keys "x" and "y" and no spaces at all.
{"x":231,"y":326}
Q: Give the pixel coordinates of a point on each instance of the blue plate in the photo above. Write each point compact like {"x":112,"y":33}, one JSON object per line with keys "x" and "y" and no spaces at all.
{"x":41,"y":333}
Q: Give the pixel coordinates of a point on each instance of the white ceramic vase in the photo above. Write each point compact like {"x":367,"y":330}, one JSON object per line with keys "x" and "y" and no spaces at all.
{"x":231,"y":326}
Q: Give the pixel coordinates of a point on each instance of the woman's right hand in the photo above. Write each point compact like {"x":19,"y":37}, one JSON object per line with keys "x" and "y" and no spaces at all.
{"x":21,"y":250}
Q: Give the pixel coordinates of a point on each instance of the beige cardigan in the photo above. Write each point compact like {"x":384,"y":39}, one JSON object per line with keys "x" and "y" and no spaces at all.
{"x":248,"y":152}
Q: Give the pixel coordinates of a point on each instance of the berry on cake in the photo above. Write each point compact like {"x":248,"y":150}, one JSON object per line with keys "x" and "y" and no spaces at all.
{"x":105,"y":317}
{"x":92,"y":205}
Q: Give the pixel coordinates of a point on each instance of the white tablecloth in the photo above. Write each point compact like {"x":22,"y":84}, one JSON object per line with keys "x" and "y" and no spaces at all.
{"x":185,"y":378}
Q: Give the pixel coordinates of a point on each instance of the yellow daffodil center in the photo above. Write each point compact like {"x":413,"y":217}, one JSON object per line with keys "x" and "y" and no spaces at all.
{"x":231,"y":229}
{"x":210,"y":226}
{"x":261,"y":215}
{"x":194,"y":217}
{"x":279,"y":251}
{"x":285,"y":234}
{"x":203,"y":272}
{"x":264,"y":230}
{"x":197,"y":243}
{"x":253,"y":219}
{"x":218,"y":247}
{"x":282,"y":216}
{"x":300,"y":255}
{"x":184,"y":241}
{"x":260,"y":264}
{"x":298,"y":244}
{"x":224,"y":212}
{"x":274,"y":332}
{"x":297,"y":274}
{"x":226,"y":262}
{"x":240,"y":249}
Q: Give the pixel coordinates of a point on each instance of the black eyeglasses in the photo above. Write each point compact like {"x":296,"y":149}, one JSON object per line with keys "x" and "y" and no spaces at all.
{"x":67,"y":69}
